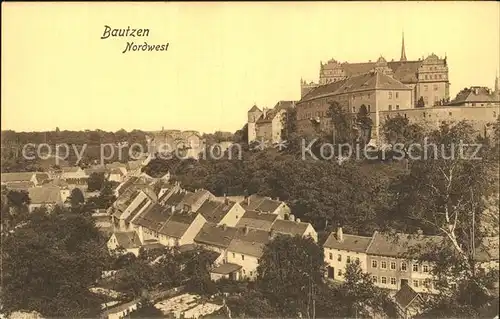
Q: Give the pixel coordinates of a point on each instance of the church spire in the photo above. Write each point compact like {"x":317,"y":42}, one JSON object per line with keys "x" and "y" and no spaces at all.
{"x":403,"y":53}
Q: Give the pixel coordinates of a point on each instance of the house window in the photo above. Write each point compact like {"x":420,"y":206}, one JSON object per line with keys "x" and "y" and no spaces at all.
{"x":397,"y":95}
{"x":242,"y":257}
{"x":374,"y":264}
{"x":357,"y":259}
{"x":353,"y":109}
{"x":331,"y":256}
{"x":251,"y":273}
{"x":473,"y":104}
{"x":234,"y":255}
{"x":415,"y":267}
{"x":403,"y":266}
{"x":348,"y":260}
{"x":427,"y":283}
{"x":426,"y":100}
{"x":383,"y":280}
{"x":339,"y":273}
{"x":449,"y":113}
{"x":393,"y":265}
{"x":397,"y":107}
{"x":393,"y":281}
{"x":415,"y":283}
{"x":368,"y":95}
{"x":435,"y":87}
{"x":383,"y":265}
{"x":369,"y":109}
{"x":375,"y":279}
{"x":339,"y":257}
{"x":426,"y":88}
{"x":494,"y":113}
{"x":390,"y":107}
{"x":425,"y":268}
{"x":390,"y":95}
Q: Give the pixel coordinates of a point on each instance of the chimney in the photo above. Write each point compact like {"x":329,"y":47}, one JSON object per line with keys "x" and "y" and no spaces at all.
{"x":297,"y":220}
{"x":224,"y":227}
{"x":277,"y":199}
{"x":420,"y":232}
{"x":340,"y":235}
{"x":248,"y":201}
{"x":291,"y":217}
{"x":245,"y":230}
{"x":172,"y":209}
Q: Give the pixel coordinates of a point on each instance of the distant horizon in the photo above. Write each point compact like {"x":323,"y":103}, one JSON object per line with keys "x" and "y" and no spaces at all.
{"x":222,"y":58}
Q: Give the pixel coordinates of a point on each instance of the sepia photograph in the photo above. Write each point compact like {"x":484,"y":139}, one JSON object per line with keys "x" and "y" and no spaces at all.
{"x":203,"y":160}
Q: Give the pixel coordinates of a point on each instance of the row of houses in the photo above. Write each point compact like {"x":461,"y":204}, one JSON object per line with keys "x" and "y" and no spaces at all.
{"x":52,"y":188}
{"x":391,"y":259}
{"x":237,"y":230}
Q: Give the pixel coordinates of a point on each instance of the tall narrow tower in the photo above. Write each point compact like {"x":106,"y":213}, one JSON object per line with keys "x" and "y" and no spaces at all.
{"x":403,"y":52}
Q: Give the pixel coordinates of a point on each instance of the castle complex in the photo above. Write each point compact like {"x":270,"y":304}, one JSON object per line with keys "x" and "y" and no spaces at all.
{"x":418,"y":90}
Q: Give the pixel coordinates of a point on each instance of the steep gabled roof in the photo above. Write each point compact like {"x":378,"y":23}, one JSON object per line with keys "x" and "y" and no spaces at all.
{"x":349,"y":243}
{"x":399,"y":244}
{"x":219,"y":236}
{"x":254,"y":108}
{"x":249,"y":242}
{"x":257,"y":220}
{"x":215,"y":211}
{"x":406,"y":296}
{"x":128,"y":239}
{"x":289,"y":227}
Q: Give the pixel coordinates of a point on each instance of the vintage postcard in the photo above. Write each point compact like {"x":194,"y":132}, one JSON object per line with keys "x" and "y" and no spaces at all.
{"x":250,"y":160}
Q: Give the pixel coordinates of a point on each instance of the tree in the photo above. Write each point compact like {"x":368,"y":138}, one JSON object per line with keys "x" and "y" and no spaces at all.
{"x":445,"y":194}
{"x":95,"y":182}
{"x":420,"y":102}
{"x":49,"y":264}
{"x":76,"y":198}
{"x":364,"y":124}
{"x":401,"y":134}
{"x":360,"y":297}
{"x":342,"y":124}
{"x":289,"y":272}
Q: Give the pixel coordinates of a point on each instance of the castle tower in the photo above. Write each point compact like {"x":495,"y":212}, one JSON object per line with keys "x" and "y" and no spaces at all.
{"x":253,"y":115}
{"x":403,"y":51}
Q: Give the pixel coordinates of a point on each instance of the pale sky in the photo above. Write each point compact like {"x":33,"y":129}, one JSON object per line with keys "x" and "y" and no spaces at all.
{"x":222,"y":57}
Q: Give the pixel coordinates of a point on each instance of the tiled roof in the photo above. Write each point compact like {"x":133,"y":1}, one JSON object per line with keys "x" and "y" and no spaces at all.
{"x":177,"y":225}
{"x":257,"y":220}
{"x":399,"y":244}
{"x":175,"y":199}
{"x":126,"y":184}
{"x":475,"y":94}
{"x":405,"y":296}
{"x":215,"y":211}
{"x":45,"y":195}
{"x":225,"y":269}
{"x":250,"y":243}
{"x":254,"y":108}
{"x":361,"y":82}
{"x":128,"y":239}
{"x":219,"y":236}
{"x":284,"y":105}
{"x":16,"y":177}
{"x":116,"y":171}
{"x":289,"y":227}
{"x":349,"y":242}
{"x":153,"y":217}
{"x":487,"y":250}
{"x":261,"y":203}
{"x":194,"y":197}
{"x":146,"y":201}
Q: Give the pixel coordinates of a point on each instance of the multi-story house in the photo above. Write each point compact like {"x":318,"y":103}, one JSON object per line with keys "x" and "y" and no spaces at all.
{"x":391,"y":265}
{"x":245,"y":250}
{"x":216,"y":238}
{"x":267,"y":124}
{"x":342,"y":249}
